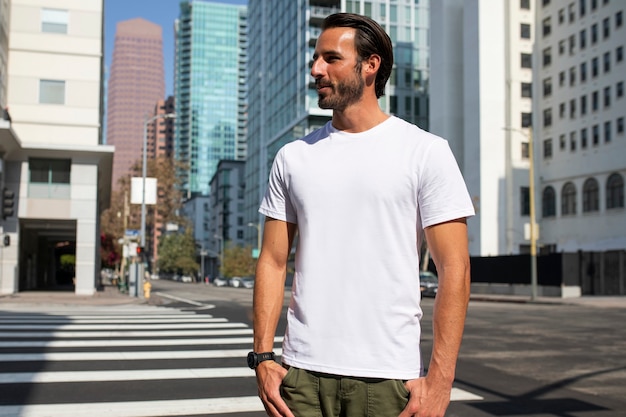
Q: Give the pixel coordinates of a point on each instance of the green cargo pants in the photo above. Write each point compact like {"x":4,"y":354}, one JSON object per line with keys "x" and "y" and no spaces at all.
{"x":313,"y":394}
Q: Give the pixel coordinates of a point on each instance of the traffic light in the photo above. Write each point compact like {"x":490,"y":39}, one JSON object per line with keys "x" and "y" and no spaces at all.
{"x":139,"y":251}
{"x":8,"y":203}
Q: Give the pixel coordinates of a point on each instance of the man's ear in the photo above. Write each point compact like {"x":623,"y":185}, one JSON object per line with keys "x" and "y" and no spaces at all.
{"x":371,"y":65}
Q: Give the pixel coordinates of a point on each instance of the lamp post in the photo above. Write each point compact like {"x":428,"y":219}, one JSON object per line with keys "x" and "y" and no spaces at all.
{"x":221,"y":240}
{"x":144,"y":168}
{"x":258,"y":236}
{"x":531,"y":201}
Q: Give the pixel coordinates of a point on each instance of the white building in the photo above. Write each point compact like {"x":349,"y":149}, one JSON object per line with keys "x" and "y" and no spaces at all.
{"x":579,"y":115}
{"x":53,"y":159}
{"x":480,"y":101}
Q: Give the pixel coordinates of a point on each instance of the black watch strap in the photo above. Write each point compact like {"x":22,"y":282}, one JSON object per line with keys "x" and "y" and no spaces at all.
{"x":254,"y":358}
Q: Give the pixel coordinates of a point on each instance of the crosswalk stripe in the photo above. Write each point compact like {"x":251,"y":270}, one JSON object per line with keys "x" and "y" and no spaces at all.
{"x":121,"y":356}
{"x":130,"y":333}
{"x":11,"y":323}
{"x":123,"y":326}
{"x":130,"y":342}
{"x":138,"y":408}
{"x":124,"y":375}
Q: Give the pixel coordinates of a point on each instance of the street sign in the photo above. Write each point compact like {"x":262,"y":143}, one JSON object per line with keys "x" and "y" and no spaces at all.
{"x":131,"y":233}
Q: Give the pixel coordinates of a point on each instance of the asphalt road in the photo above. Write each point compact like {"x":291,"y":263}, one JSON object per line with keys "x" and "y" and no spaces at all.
{"x":523,"y":359}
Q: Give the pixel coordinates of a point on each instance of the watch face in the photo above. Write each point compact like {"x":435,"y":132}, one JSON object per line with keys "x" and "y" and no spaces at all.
{"x":252,"y":360}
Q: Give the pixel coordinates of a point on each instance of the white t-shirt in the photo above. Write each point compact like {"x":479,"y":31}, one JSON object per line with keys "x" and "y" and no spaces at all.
{"x":360,"y":202}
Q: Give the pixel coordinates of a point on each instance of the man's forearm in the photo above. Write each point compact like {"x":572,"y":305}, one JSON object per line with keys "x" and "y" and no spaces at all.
{"x":269,"y":291}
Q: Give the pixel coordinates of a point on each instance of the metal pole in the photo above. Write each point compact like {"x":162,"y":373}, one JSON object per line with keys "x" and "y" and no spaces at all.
{"x":533,"y":221}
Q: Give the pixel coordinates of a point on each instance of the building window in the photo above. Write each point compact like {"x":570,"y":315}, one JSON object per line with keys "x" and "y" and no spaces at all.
{"x":583,"y":105}
{"x":572,"y":76}
{"x":594,"y":67}
{"x":561,"y":47}
{"x":572,"y":141}
{"x":572,"y":13}
{"x":561,"y":78}
{"x":561,"y":16}
{"x":524,"y":201}
{"x":547,"y":26}
{"x":524,"y":4}
{"x":526,"y":119}
{"x":581,"y":7}
{"x":562,"y":142}
{"x":590,"y":195}
{"x":619,"y":54}
{"x":607,"y":132}
{"x":619,"y":20}
{"x":547,"y":87}
{"x":572,"y":109}
{"x":547,"y":117}
{"x":595,"y":135}
{"x":594,"y":5}
{"x":547,"y":56}
{"x":51,"y":92}
{"x":525,"y":150}
{"x":547,"y":149}
{"x":562,"y":111}
{"x":607,"y":62}
{"x":594,"y":33}
{"x":572,"y":44}
{"x":606,"y":28}
{"x":607,"y":97}
{"x":583,"y":138}
{"x":583,"y":72}
{"x":548,"y":202}
{"x":54,"y":20}
{"x":568,"y":199}
{"x":526,"y":60}
{"x":583,"y":39}
{"x":545,"y":3}
{"x":594,"y":101}
{"x":525,"y":31}
{"x":615,"y":191}
{"x":620,"y":125}
{"x":49,"y":178}
{"x":527,"y":90}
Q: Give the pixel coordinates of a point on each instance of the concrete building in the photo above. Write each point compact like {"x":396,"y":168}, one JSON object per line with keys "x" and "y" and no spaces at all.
{"x":53,"y":160}
{"x":135,"y":85}
{"x":481,"y":102}
{"x":579,"y":125}
{"x":210,"y":90}
{"x":282,"y":97}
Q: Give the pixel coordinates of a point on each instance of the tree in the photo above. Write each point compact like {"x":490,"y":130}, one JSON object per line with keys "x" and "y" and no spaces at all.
{"x":178,"y":254}
{"x":238,"y":261}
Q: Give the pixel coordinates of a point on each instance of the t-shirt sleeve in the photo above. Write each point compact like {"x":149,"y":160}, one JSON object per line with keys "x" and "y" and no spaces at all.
{"x":443,"y":195}
{"x":276,"y":203}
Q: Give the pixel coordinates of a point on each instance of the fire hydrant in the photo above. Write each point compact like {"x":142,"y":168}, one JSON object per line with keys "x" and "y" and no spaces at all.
{"x":146,"y":289}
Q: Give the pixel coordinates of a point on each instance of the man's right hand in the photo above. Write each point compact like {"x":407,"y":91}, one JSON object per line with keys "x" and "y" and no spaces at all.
{"x":269,"y":377}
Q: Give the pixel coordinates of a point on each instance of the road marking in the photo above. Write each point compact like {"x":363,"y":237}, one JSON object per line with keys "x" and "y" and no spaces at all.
{"x":184,"y":300}
{"x":121,"y":356}
{"x":458,"y":394}
{"x":127,"y":333}
{"x":138,"y":408}
{"x":121,"y":326}
{"x":133,"y":342}
{"x":11,"y":323}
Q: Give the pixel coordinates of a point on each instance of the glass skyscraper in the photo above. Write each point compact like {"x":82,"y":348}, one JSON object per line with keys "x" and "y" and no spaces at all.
{"x":282,"y":96}
{"x":210,"y":90}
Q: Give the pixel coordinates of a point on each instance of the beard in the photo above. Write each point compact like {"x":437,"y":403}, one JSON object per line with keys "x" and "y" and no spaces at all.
{"x":343,"y":94}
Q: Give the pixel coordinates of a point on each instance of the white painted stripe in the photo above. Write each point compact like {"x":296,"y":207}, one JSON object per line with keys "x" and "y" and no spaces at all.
{"x":11,"y":323}
{"x":122,"y":326}
{"x":184,"y":300}
{"x":160,"y":408}
{"x":121,"y":356}
{"x":206,"y":406}
{"x":124,"y":375}
{"x":128,"y":333}
{"x":458,"y":394}
{"x":131,"y":342}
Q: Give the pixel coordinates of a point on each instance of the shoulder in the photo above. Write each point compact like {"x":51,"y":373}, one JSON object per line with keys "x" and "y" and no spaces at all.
{"x":403,"y":130}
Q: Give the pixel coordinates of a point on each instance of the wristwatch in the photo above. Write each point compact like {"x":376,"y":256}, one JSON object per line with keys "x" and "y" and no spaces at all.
{"x":254,"y":359}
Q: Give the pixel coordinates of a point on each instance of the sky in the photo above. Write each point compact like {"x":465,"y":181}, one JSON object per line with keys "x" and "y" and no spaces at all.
{"x":161,"y":12}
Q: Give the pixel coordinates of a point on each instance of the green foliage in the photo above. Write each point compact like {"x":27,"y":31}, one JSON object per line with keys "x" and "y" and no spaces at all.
{"x":177,"y":254}
{"x":238,"y":261}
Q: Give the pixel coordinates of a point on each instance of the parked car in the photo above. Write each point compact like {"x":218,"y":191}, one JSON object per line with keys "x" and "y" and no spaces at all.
{"x":428,"y":284}
{"x":241,"y":282}
{"x":220,"y":282}
{"x":186,"y":278}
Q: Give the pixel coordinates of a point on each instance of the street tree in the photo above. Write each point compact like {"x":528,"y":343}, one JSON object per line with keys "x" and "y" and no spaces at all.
{"x":238,"y":261}
{"x":177,"y":253}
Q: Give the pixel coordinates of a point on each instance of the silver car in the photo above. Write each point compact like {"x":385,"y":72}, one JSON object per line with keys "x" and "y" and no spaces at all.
{"x":428,"y":284}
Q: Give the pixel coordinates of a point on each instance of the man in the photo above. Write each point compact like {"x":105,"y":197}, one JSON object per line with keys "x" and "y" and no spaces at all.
{"x":361,"y":193}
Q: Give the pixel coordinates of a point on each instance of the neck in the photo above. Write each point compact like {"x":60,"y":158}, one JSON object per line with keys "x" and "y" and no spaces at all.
{"x":359,"y":117}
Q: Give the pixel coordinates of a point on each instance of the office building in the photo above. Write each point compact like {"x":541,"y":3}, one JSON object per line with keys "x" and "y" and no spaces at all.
{"x":210,"y":90}
{"x":579,"y":126}
{"x":56,"y":172}
{"x":282,"y":96}
{"x":481,"y":102}
{"x":135,"y":85}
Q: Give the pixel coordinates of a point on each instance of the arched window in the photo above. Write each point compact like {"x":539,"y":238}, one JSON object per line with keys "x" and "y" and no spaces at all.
{"x":568,"y":199}
{"x":615,"y":191}
{"x":591,"y":198}
{"x":548,"y":202}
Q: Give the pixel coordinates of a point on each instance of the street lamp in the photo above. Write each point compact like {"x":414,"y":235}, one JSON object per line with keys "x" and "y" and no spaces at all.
{"x":144,"y":169}
{"x":531,"y":202}
{"x":258,"y":236}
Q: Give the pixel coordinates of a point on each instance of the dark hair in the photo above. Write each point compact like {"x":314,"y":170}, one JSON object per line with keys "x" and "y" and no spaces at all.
{"x":370,"y":39}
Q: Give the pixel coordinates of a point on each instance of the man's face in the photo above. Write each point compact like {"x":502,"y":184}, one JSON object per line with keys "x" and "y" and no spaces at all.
{"x":337,"y":69}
